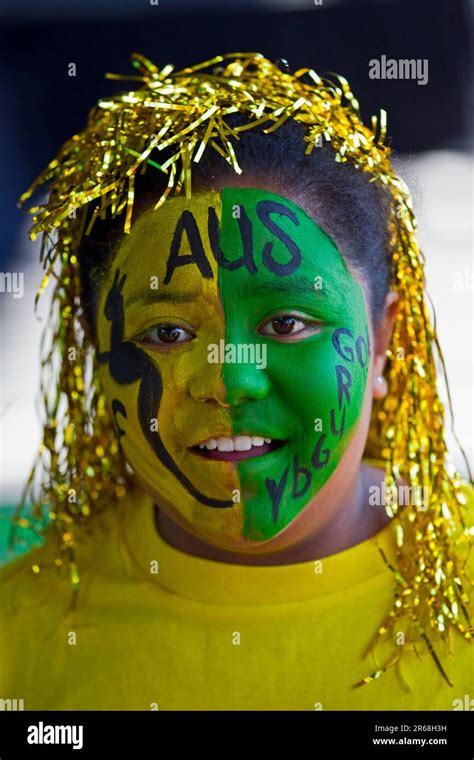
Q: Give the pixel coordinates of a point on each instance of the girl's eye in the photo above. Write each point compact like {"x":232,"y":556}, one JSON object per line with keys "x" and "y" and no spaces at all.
{"x":291,"y":326}
{"x":167,"y":334}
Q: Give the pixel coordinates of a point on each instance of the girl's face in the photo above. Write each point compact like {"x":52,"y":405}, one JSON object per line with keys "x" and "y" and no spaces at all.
{"x":234,"y":346}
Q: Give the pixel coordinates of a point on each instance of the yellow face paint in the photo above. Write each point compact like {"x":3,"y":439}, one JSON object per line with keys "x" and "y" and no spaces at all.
{"x":155,"y":396}
{"x":196,"y":278}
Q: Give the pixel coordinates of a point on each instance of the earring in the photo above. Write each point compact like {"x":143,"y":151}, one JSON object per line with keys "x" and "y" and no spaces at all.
{"x":380,"y":379}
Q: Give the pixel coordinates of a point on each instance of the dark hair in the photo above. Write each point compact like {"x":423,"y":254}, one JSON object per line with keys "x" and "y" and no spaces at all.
{"x":343,"y":201}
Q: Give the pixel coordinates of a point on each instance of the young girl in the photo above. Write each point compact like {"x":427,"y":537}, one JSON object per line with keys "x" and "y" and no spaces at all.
{"x":243,"y":483}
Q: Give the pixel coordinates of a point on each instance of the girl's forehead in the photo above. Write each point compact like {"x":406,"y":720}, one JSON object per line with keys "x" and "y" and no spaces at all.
{"x":248,"y":193}
{"x":234,"y":206}
{"x":237,"y":235}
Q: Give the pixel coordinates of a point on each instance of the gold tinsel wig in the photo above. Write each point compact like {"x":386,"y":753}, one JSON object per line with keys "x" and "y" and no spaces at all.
{"x":79,"y":465}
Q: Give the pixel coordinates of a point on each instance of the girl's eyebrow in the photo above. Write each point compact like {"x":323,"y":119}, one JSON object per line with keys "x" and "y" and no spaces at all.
{"x":297,"y":284}
{"x":148,"y":296}
{"x":253,"y":287}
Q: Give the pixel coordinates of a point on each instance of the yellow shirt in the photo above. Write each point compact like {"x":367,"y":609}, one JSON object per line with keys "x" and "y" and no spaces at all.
{"x":156,"y":628}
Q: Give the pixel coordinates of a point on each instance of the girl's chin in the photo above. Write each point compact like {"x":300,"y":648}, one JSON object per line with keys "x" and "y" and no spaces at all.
{"x":176,"y":528}
{"x":234,"y":544}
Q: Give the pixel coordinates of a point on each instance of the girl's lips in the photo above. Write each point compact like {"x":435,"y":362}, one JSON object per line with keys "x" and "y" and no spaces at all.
{"x":236,"y":456}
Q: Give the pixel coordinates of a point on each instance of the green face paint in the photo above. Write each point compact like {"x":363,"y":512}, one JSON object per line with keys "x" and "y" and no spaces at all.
{"x":233,"y":269}
{"x":311,"y":392}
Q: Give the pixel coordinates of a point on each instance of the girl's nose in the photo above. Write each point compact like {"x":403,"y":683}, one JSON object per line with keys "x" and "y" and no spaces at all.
{"x":244,"y":382}
{"x":208,"y":385}
{"x":230,"y":383}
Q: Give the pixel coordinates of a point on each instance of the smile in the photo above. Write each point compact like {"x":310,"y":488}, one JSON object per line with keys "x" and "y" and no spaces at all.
{"x":236,"y":448}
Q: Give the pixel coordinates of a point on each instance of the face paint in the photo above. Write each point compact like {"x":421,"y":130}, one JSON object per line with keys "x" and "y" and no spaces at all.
{"x":224,"y":269}
{"x":154,"y":395}
{"x":311,"y":393}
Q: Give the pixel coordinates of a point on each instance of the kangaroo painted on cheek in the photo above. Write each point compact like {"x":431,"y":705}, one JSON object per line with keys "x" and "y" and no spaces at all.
{"x":128,"y":364}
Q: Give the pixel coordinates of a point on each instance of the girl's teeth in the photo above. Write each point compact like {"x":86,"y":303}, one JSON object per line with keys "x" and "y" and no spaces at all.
{"x":225,"y":444}
{"x":239,"y":443}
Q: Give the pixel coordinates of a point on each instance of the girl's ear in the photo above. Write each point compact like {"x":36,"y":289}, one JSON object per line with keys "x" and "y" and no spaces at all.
{"x":382,"y":337}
